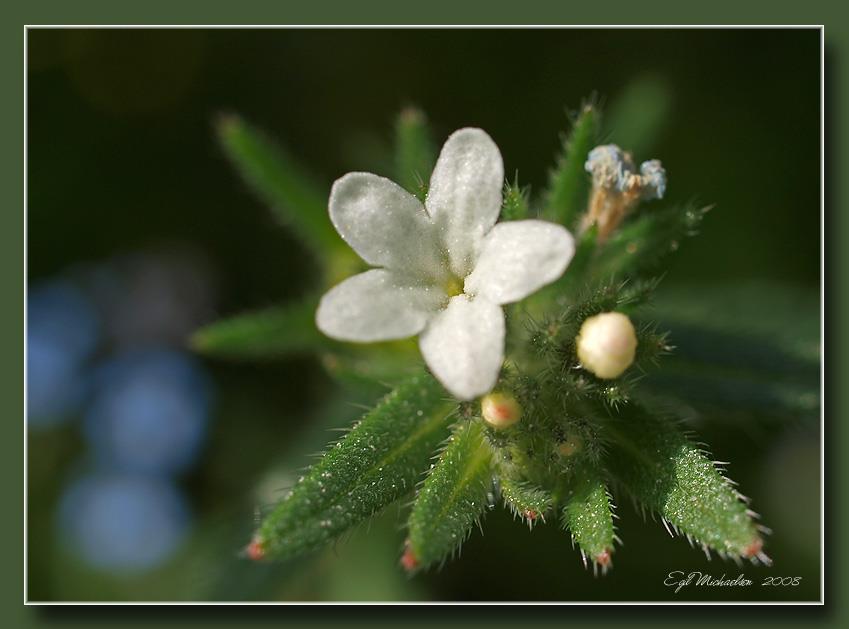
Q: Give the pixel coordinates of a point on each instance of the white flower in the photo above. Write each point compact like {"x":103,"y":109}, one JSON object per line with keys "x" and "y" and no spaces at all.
{"x":446,"y":268}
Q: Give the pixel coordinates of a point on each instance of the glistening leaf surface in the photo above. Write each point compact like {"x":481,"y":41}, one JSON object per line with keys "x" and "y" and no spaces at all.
{"x":670,"y":475}
{"x":588,"y":514}
{"x":524,"y":498}
{"x":453,"y":496}
{"x":377,"y":462}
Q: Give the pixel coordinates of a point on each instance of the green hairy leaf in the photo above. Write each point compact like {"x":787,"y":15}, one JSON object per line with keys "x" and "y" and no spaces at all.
{"x":588,"y":515}
{"x":672,"y":476}
{"x":453,"y":496}
{"x":525,"y":500}
{"x":568,"y":184}
{"x":269,"y":333}
{"x":278,"y":180}
{"x":415,"y":153}
{"x":515,"y":206}
{"x":377,"y":462}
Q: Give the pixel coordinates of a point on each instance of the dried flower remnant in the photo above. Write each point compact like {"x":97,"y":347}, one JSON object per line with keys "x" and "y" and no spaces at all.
{"x":618,"y":187}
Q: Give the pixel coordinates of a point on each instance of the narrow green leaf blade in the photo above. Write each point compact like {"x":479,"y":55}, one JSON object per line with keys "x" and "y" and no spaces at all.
{"x":524,"y":499}
{"x":269,"y":333}
{"x":568,"y":183}
{"x":415,"y":153}
{"x":728,"y":372}
{"x":278,"y":180}
{"x":373,"y":465}
{"x":452,"y":498}
{"x":588,"y":514}
{"x":670,"y":475}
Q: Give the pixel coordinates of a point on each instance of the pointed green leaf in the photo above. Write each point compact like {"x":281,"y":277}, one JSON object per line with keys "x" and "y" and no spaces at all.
{"x":380,"y":460}
{"x":415,"y":153}
{"x":568,"y":184}
{"x":453,"y":496}
{"x":588,"y":515}
{"x":671,"y":476}
{"x":515,"y":206}
{"x":523,"y":498}
{"x":269,"y":333}
{"x":735,"y":371}
{"x":295,"y":198}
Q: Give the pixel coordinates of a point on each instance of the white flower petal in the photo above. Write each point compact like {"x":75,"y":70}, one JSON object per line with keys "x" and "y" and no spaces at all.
{"x":464,"y":346}
{"x":518,"y":258}
{"x":464,"y":198}
{"x":385,"y":224}
{"x":377,"y":305}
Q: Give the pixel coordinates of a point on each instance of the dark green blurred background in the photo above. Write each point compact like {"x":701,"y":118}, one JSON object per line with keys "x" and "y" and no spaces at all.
{"x":123,"y":159}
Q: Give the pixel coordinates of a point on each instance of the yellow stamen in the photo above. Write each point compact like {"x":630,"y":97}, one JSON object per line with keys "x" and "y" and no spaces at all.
{"x":454,"y":286}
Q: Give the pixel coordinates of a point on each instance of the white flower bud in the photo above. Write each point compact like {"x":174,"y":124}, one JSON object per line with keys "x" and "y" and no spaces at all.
{"x":607,"y":344}
{"x":500,"y":410}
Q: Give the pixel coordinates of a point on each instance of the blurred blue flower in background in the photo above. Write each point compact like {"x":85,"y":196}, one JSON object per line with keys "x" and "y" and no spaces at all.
{"x":106,"y":345}
{"x":149,"y":412}
{"x":62,"y":332}
{"x":123,"y":523}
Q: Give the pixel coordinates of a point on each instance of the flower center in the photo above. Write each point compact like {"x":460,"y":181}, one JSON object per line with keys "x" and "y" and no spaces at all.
{"x":454,"y":286}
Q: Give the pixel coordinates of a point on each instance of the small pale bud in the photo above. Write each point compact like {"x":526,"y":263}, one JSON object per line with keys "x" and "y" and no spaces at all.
{"x":607,"y":344}
{"x":500,"y":410}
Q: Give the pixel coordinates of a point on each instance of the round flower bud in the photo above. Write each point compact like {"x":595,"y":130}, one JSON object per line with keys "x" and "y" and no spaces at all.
{"x":607,"y":344}
{"x":500,"y":410}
